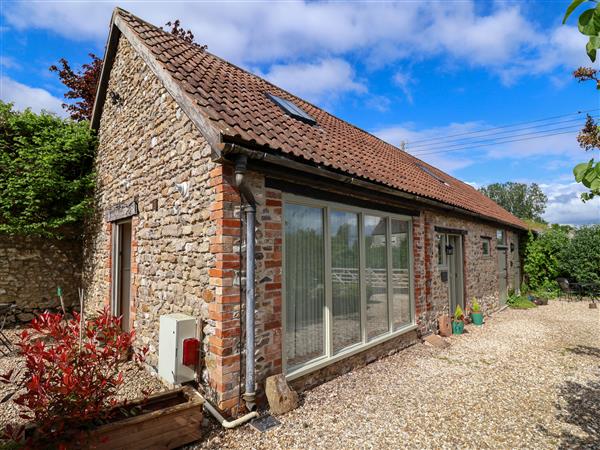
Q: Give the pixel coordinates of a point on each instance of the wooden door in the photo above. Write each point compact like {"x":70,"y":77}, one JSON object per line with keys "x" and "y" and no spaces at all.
{"x":455,"y":272}
{"x":121,"y":293}
{"x":502,"y":276}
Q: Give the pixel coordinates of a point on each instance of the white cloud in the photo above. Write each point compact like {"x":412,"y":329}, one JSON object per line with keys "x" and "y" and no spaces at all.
{"x":322,"y":80}
{"x":564,"y":145}
{"x":404,"y":81}
{"x":405,"y":134}
{"x":379,"y":103}
{"x":565,"y":206}
{"x":8,"y":62}
{"x":24,"y":96}
{"x":502,"y":39}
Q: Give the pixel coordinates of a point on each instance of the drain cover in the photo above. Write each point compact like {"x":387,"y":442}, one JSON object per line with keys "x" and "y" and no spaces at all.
{"x":265,"y":422}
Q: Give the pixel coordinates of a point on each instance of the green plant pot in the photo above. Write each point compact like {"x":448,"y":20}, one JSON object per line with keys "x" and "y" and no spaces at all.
{"x":477,"y":318}
{"x":458,"y":327}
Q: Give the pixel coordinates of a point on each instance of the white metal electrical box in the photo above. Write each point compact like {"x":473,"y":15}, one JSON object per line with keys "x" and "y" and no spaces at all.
{"x":174,"y":328}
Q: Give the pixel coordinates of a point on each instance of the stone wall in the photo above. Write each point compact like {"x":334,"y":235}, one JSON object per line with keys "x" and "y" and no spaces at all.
{"x":31,"y":270}
{"x":147,"y":146}
{"x":480,"y":272}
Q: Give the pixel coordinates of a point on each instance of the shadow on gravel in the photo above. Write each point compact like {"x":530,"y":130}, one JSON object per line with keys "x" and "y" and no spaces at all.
{"x":580,"y":406}
{"x":585,"y":350}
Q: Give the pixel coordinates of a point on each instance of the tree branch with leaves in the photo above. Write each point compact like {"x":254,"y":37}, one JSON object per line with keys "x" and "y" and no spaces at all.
{"x":588,"y":23}
{"x":82,"y":84}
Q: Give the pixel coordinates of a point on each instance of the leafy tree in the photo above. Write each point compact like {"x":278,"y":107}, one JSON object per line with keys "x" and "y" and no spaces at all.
{"x":46,"y":175}
{"x":580,"y":259}
{"x":526,"y":201}
{"x":588,"y":173}
{"x":83,"y":84}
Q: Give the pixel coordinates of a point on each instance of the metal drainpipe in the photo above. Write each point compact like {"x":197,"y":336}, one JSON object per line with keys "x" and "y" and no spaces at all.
{"x":250,"y":212}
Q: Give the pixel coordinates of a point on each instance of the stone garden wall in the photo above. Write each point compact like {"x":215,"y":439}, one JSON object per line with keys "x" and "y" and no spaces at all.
{"x":31,"y":270}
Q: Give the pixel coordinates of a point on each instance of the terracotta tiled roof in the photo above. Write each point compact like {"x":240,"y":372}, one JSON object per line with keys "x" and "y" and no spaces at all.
{"x":236,"y":103}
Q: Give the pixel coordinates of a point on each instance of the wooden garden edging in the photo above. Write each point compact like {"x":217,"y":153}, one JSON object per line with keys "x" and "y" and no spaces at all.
{"x":177,"y":424}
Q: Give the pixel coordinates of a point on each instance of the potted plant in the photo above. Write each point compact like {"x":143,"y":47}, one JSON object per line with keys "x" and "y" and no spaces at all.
{"x":69,"y":384}
{"x":476,"y":314}
{"x":458,"y":323}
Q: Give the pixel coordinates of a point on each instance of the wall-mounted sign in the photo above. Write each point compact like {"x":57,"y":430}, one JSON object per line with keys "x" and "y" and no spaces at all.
{"x":121,"y":211}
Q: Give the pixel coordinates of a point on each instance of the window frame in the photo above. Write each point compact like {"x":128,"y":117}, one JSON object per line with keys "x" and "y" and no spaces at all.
{"x":488,"y":241}
{"x":501,"y":237}
{"x":330,"y":356}
{"x":444,"y":238}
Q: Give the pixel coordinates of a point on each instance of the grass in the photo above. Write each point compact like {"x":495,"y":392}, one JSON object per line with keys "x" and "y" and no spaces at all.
{"x":520,"y":303}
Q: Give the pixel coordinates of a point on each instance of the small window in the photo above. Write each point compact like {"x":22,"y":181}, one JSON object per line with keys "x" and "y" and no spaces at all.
{"x":440,"y":241}
{"x":501,"y":237}
{"x":431,"y":173}
{"x":485,"y":247}
{"x":292,"y":109}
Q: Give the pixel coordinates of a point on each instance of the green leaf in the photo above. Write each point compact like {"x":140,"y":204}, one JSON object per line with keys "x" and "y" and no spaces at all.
{"x":594,"y":41}
{"x":579,"y":171}
{"x":591,"y":52}
{"x":589,"y":177}
{"x":585,"y":23}
{"x":572,"y":8}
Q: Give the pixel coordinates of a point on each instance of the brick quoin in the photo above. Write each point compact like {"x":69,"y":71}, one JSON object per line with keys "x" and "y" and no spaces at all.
{"x":223,"y":361}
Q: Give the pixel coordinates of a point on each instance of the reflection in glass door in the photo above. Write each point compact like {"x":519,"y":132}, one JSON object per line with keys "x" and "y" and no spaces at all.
{"x":304,"y":284}
{"x":345,"y":279}
{"x":376,"y":275}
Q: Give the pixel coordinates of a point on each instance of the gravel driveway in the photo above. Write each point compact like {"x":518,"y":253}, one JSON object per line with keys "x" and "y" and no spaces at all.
{"x":527,"y":379}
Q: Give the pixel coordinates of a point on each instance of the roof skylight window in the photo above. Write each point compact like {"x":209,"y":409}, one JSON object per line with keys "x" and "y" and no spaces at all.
{"x":432,"y":174}
{"x":292,"y":109}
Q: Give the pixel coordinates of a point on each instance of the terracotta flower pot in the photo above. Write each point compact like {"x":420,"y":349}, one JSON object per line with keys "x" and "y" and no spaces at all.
{"x":445,"y":326}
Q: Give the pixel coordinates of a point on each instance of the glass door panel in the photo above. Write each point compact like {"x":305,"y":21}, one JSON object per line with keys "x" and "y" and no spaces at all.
{"x":345,"y":279}
{"x":304,"y":284}
{"x":375,"y":236}
{"x":400,"y":274}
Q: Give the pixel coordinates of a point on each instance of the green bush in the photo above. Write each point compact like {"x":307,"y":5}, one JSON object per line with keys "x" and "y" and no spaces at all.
{"x":580,"y":259}
{"x":543,"y":257}
{"x":46,"y":177}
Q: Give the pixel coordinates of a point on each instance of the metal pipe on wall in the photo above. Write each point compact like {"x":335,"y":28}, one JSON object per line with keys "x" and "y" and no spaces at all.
{"x":250,"y":213}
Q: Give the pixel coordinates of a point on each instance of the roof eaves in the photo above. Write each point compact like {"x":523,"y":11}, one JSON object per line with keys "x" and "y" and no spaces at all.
{"x":109,"y":58}
{"x":321,"y":171}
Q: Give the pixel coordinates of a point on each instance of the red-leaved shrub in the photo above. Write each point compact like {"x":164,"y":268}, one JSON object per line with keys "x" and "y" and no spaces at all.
{"x":68,"y":383}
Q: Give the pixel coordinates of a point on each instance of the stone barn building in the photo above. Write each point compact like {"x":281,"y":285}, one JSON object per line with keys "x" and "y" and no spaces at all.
{"x":302,"y":244}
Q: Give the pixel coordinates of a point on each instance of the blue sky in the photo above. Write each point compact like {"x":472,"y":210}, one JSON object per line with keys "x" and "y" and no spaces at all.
{"x":406,"y":71}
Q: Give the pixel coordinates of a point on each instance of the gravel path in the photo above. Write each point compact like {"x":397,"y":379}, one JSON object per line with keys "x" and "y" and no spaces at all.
{"x":135,"y":380}
{"x":527,"y":379}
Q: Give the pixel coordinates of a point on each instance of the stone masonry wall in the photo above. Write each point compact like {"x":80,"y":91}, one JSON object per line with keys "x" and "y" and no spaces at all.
{"x":147,"y":146}
{"x":480,"y":272}
{"x":31,"y":270}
